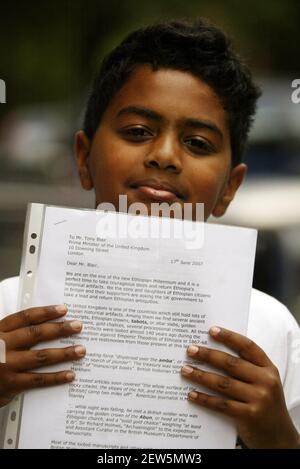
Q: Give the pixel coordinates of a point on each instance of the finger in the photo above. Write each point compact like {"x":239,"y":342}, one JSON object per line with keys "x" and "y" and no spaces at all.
{"x":226,"y":406}
{"x":224,"y":384}
{"x":244,"y":346}
{"x":24,"y":381}
{"x":31,"y":316}
{"x":29,"y":336}
{"x":234,"y":366}
{"x":31,"y":359}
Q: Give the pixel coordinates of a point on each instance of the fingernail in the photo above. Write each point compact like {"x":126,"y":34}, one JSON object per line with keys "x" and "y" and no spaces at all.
{"x":186,"y":370}
{"x":214,"y":330}
{"x":76,"y":325}
{"x":192,"y":349}
{"x":80,"y":350}
{"x":70,"y":375}
{"x":192,"y":395}
{"x":61,"y":309}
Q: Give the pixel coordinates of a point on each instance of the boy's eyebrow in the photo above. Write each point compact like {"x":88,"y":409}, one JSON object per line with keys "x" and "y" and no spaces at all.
{"x":141,"y":111}
{"x":203,"y":124}
{"x":155,"y":116}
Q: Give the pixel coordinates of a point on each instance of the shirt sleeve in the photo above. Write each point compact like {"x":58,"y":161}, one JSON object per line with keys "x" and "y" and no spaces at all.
{"x":8,"y":296}
{"x":291,"y":384}
{"x":8,"y":304}
{"x":276,"y":331}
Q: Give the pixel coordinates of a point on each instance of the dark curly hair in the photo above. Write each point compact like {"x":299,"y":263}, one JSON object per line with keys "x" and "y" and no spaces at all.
{"x":199,"y":48}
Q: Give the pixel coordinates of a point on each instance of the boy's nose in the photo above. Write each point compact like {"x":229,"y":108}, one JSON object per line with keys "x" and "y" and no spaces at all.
{"x":164,"y":155}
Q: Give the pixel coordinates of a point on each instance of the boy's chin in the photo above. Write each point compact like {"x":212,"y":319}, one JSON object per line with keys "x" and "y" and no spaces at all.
{"x":136,"y":203}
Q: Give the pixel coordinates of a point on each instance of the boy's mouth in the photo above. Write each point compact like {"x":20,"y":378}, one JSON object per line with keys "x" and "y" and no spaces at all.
{"x":157,"y":190}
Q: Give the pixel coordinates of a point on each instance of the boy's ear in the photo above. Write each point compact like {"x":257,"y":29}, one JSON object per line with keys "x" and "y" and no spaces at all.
{"x":236,"y":178}
{"x":82,"y":148}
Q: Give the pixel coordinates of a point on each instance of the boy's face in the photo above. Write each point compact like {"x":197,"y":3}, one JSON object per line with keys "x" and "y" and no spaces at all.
{"x":167,"y":126}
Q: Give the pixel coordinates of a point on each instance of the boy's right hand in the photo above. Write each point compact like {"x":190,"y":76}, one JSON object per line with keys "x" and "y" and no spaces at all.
{"x":23,"y":330}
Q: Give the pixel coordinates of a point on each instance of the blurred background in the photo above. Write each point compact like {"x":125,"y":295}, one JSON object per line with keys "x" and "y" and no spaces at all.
{"x":49,"y":52}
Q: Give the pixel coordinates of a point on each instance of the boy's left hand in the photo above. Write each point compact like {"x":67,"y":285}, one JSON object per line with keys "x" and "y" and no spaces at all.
{"x":255,"y":398}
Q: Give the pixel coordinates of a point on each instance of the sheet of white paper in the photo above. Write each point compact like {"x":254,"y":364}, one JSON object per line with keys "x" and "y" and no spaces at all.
{"x":142,"y":302}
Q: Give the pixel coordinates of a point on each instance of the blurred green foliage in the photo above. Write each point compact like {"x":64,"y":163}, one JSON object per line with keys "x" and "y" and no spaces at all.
{"x":49,"y":50}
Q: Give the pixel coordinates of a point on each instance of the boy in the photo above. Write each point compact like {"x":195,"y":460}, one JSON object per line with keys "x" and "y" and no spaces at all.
{"x":167,"y":120}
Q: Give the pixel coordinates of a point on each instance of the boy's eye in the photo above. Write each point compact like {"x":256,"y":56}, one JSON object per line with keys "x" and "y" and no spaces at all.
{"x":199,"y":145}
{"x":136,"y":133}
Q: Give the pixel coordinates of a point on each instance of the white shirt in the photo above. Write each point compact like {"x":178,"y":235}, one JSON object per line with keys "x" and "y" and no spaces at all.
{"x":270,"y":325}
